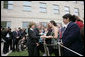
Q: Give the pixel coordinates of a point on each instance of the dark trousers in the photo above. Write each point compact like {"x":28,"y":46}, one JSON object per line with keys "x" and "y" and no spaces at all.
{"x":50,"y":49}
{"x":10,"y":44}
{"x":15,"y":44}
{"x":33,"y":50}
{"x":56,"y":52}
{"x":6,"y":46}
{"x":41,"y":47}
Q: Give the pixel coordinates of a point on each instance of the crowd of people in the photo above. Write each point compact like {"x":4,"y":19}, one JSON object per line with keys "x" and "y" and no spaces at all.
{"x":12,"y":39}
{"x":71,"y":35}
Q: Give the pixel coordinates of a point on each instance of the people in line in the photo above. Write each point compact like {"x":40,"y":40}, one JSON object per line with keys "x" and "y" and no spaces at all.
{"x":71,"y":35}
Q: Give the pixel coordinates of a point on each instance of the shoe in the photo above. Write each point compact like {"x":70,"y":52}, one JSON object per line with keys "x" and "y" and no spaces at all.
{"x":44,"y":54}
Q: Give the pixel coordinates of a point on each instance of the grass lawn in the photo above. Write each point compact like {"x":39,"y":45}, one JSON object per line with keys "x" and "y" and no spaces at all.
{"x":23,"y":53}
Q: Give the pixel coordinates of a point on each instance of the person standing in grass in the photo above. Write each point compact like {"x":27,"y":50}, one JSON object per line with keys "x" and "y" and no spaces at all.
{"x":32,"y":38}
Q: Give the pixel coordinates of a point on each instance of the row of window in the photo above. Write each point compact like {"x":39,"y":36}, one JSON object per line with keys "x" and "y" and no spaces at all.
{"x":43,"y":7}
{"x":24,"y":24}
{"x":7,"y":24}
{"x":81,"y":2}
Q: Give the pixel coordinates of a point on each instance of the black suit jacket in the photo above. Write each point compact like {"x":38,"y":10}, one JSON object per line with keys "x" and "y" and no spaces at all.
{"x":33,"y":37}
{"x":37,"y":34}
{"x":5,"y":33}
{"x":16,"y":35}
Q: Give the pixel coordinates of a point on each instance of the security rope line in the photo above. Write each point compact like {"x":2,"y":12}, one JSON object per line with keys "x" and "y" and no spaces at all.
{"x":47,"y":50}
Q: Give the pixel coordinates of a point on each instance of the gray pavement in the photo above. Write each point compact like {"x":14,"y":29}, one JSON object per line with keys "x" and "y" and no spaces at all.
{"x":2,"y":50}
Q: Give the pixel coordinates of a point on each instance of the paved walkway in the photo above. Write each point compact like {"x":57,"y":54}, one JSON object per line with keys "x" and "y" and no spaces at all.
{"x":2,"y":50}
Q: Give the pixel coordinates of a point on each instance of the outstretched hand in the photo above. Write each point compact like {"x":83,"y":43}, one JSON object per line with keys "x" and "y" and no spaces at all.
{"x":43,"y":36}
{"x":46,"y":36}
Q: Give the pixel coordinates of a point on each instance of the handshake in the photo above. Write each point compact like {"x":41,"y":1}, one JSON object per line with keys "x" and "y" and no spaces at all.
{"x":46,"y":36}
{"x":43,"y":36}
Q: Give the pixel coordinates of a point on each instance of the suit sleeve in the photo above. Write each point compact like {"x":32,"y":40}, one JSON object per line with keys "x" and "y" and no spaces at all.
{"x":33,"y":35}
{"x":72,"y":35}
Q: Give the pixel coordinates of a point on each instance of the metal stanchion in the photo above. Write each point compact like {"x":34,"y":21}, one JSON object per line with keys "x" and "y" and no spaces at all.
{"x":59,"y":47}
{"x":70,"y":49}
{"x":59,"y":50}
{"x":46,"y":49}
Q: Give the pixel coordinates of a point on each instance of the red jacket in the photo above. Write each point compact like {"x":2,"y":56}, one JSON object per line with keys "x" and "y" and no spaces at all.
{"x":80,"y":24}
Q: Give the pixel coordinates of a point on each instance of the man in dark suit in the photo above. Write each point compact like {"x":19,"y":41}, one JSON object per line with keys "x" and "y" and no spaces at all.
{"x":71,"y":37}
{"x":33,"y":38}
{"x":16,"y":37}
{"x":7,"y":36}
{"x":32,"y":46}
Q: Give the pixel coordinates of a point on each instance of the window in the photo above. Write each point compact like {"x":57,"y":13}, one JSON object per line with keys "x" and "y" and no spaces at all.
{"x":6,"y":24}
{"x":25,"y":25}
{"x":74,"y":1}
{"x":55,"y":9}
{"x":5,"y":4}
{"x":8,"y":4}
{"x":82,"y":2}
{"x":3,"y":23}
{"x":44,"y":24}
{"x":27,"y":8}
{"x":76,"y":11}
{"x":67,"y":10}
{"x":83,"y":12}
{"x":27,"y":5}
{"x":43,"y":7}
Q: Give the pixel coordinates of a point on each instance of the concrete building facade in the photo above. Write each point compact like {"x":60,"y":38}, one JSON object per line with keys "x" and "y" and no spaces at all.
{"x":16,"y":14}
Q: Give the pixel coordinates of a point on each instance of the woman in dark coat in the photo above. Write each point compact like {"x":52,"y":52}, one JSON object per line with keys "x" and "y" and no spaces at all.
{"x":71,"y":37}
